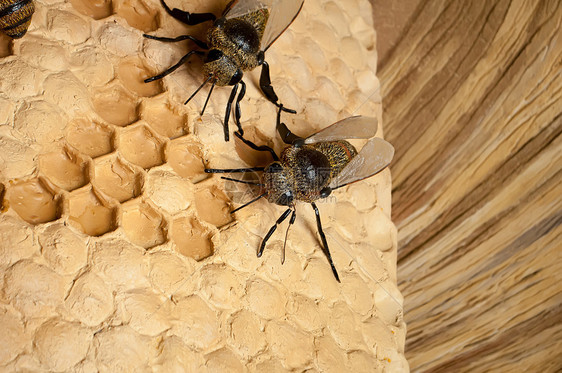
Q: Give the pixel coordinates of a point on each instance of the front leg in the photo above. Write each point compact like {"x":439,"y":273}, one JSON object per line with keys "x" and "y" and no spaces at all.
{"x":190,"y":19}
{"x":267,"y":88}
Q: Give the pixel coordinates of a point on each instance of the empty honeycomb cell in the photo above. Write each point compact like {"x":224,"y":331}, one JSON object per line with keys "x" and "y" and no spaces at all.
{"x":163,"y":117}
{"x":34,"y":289}
{"x":143,"y":225}
{"x":97,"y":9}
{"x":60,"y":345}
{"x":90,"y":300}
{"x":145,"y":311}
{"x":90,"y":138}
{"x":246,"y":332}
{"x":293,"y":347}
{"x":63,"y":249}
{"x":221,"y":286}
{"x":175,"y":354}
{"x":132,"y":73}
{"x":168,"y":271}
{"x":195,"y":323}
{"x":5,"y":45}
{"x":212,"y":205}
{"x":115,"y":105}
{"x":117,"y":179}
{"x":33,"y":201}
{"x":65,"y":168}
{"x":141,"y":147}
{"x":224,"y":360}
{"x":192,"y":239}
{"x":138,"y":14}
{"x":12,"y":339}
{"x":186,"y":159}
{"x":91,"y":213}
{"x":121,"y":349}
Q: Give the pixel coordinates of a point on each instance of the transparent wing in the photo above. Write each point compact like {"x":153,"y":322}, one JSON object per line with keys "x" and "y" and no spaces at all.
{"x":357,"y":127}
{"x":238,"y":8}
{"x":372,"y":159}
{"x":282,"y":14}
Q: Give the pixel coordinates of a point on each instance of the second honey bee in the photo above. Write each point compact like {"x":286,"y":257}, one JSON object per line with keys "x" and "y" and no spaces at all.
{"x":15,"y":16}
{"x":236,"y":42}
{"x":310,"y":168}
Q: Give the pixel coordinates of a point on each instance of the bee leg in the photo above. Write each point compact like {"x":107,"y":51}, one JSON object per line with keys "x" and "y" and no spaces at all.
{"x":324,"y":242}
{"x":262,"y":148}
{"x":175,"y":67}
{"x":286,"y":135}
{"x":228,"y":110}
{"x":267,"y":88}
{"x":190,"y":19}
{"x":237,"y":111}
{"x":279,"y":221}
{"x":200,"y":44}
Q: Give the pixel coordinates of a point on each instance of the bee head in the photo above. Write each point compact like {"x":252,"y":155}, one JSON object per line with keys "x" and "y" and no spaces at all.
{"x":279,"y":188}
{"x":224,"y":71}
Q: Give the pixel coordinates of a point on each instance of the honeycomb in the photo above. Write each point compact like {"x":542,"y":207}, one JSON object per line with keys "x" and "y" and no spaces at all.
{"x":117,"y":251}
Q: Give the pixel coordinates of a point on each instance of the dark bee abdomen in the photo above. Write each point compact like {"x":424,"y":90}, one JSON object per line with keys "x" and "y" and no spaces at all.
{"x":339,"y":153}
{"x":243,"y":35}
{"x":15,"y":16}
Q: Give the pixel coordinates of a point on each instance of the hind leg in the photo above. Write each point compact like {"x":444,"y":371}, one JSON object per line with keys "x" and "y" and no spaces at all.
{"x":190,"y":19}
{"x":267,"y":88}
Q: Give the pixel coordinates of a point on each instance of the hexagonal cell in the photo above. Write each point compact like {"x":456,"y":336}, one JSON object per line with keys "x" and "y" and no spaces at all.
{"x":212,"y":205}
{"x":33,"y":201}
{"x":117,"y":179}
{"x":116,"y":105}
{"x":91,"y":213}
{"x":186,"y":158}
{"x":97,"y":9}
{"x":65,"y":168}
{"x":164,"y":118}
{"x":141,"y":147}
{"x":132,"y":73}
{"x":192,"y":239}
{"x":89,"y":137}
{"x":5,"y":45}
{"x":143,"y":225}
{"x":137,"y":14}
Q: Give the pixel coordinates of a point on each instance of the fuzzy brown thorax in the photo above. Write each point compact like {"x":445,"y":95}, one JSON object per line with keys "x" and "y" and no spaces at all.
{"x":238,"y":39}
{"x":304,"y":171}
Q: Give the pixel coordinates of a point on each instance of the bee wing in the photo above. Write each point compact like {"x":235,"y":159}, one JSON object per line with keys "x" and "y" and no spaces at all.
{"x":238,"y":8}
{"x":282,"y":14}
{"x":356,"y":127}
{"x":372,"y":159}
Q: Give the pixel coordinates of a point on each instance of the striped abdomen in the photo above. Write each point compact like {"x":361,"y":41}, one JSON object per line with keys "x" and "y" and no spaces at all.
{"x":15,"y":16}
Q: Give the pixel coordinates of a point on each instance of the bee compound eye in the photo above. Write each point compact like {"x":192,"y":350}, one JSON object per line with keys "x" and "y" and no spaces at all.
{"x":325,"y":192}
{"x":285,"y":199}
{"x":213,"y":55}
{"x":275,"y":167}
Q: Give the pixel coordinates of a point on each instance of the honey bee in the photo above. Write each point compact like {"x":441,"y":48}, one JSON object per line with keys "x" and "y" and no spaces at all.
{"x":310,"y":168}
{"x":15,"y":17}
{"x":236,"y":42}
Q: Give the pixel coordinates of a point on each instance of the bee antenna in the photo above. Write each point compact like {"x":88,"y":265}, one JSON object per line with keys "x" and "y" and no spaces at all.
{"x":242,"y":181}
{"x":208,"y":96}
{"x":248,"y":203}
{"x":291,"y":221}
{"x":197,"y":90}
